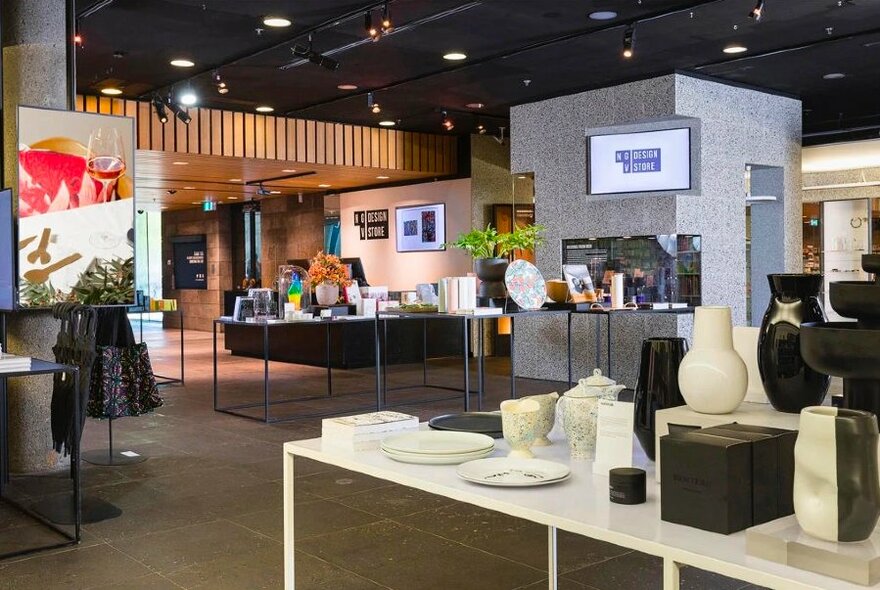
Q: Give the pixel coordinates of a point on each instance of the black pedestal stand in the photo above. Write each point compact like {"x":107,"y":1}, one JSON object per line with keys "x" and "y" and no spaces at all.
{"x":110,"y":458}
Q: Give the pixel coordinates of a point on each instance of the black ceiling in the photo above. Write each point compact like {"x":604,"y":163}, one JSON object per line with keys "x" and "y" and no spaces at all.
{"x":552,"y":44}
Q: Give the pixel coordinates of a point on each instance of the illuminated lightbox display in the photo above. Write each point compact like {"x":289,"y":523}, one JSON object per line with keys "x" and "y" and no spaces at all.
{"x":648,"y":161}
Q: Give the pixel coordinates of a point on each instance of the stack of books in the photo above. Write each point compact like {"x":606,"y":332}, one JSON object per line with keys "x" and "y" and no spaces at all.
{"x":10,"y":363}
{"x":365,"y":431}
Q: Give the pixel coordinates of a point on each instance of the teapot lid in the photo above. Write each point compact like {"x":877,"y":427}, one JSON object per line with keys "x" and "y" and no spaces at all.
{"x":597,"y":379}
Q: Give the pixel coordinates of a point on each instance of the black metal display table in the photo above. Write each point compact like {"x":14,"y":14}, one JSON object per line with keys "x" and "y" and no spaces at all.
{"x":468,"y":320}
{"x":609,"y":313}
{"x":265,"y":329}
{"x":40,"y":367}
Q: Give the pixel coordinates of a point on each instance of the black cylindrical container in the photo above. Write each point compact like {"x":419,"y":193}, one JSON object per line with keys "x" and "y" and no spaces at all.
{"x":628,"y":485}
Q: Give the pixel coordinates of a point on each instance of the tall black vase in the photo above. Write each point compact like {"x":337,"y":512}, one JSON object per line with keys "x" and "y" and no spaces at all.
{"x":657,"y":387}
{"x":791,"y":385}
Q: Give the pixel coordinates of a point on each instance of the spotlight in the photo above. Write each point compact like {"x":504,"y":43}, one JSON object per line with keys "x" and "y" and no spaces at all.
{"x":447,"y":123}
{"x":387,"y":25}
{"x":316,"y":58}
{"x":629,"y":41}
{"x":222,"y":87}
{"x":369,"y":27}
{"x":78,"y":39}
{"x":161,"y":112}
{"x":758,"y":11}
{"x":179,"y":112}
{"x":481,"y":129}
{"x":372,"y":104}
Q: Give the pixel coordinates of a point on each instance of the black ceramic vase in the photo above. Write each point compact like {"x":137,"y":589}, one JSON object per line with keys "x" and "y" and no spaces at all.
{"x":491,"y":271}
{"x":657,"y":387}
{"x":791,"y":385}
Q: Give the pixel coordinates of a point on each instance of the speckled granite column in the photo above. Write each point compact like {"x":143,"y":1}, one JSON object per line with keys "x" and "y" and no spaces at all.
{"x":731,"y":126}
{"x":34,"y":74}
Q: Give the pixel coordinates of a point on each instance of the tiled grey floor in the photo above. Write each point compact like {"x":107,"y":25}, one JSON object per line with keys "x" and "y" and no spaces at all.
{"x":204,"y":511}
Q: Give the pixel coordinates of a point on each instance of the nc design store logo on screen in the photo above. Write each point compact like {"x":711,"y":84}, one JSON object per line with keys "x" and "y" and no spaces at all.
{"x":634,"y":161}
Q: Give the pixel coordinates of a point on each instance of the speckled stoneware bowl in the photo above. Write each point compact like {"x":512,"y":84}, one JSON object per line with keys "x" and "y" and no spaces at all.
{"x":519,"y":421}
{"x":546,"y":417}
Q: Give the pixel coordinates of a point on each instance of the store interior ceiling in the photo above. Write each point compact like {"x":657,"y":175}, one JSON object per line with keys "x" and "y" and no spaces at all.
{"x":517,"y":51}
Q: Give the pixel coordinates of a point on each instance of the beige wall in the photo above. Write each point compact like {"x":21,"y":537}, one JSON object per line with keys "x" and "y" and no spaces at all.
{"x":383,"y":265}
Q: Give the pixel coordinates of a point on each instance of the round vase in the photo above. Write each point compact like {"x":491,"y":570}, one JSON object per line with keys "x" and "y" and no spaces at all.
{"x":657,"y":387}
{"x":836,"y":485}
{"x":712,"y":377}
{"x":327,"y":293}
{"x":491,"y":271}
{"x":791,"y":385}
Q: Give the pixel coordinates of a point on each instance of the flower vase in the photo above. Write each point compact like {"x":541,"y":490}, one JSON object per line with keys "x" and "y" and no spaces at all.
{"x":791,"y":385}
{"x":327,"y":293}
{"x":836,"y":487}
{"x":712,"y":378}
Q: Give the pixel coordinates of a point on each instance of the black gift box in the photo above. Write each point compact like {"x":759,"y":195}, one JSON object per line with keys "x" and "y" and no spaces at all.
{"x":785,"y":440}
{"x":706,"y":481}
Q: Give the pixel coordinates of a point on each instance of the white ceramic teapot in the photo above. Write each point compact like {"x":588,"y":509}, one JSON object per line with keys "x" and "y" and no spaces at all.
{"x":578,"y":412}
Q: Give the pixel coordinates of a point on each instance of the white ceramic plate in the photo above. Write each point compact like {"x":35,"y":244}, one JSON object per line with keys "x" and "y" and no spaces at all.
{"x":473,"y":455}
{"x":438,"y":442}
{"x":508,"y":472}
{"x":435,"y":459}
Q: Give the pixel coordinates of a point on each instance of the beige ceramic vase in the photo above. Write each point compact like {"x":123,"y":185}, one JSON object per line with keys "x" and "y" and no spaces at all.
{"x":546,"y":417}
{"x":519,"y":421}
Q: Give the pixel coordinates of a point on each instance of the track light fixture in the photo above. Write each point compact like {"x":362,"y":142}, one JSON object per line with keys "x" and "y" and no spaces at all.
{"x":387,"y":25}
{"x":481,"y":129}
{"x":222,"y":87}
{"x":758,"y":11}
{"x":447,"y":123}
{"x":629,"y":41}
{"x":161,"y":111}
{"x":316,"y":58}
{"x":178,"y":110}
{"x":369,"y":27}
{"x":372,"y":104}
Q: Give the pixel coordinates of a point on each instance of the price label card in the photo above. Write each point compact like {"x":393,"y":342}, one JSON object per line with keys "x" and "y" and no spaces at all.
{"x":614,"y":436}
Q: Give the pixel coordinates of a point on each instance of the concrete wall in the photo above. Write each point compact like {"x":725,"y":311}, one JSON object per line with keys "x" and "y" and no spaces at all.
{"x":290,"y":229}
{"x":735,"y":126}
{"x":383,"y":265}
{"x":491,"y":180}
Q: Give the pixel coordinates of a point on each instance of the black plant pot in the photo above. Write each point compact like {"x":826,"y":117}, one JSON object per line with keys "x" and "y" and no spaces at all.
{"x":657,"y":387}
{"x":791,"y":385}
{"x":491,"y":271}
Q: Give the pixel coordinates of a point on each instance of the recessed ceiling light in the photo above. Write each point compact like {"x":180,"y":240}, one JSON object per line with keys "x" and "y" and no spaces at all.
{"x":274,"y":192}
{"x":289,"y":170}
{"x":455,"y":56}
{"x":347,"y":87}
{"x":603,"y":15}
{"x":264,"y":109}
{"x":834,"y":76}
{"x":196,"y":202}
{"x":182,"y":63}
{"x":235,"y":180}
{"x":189,"y":188}
{"x":324,"y":186}
{"x":382,"y":177}
{"x":232,"y":198}
{"x":180,"y":163}
{"x":521,"y":176}
{"x":387,"y":123}
{"x":111,"y":91}
{"x":474,"y":105}
{"x":188,"y":98}
{"x":276,"y":21}
{"x":735,"y":49}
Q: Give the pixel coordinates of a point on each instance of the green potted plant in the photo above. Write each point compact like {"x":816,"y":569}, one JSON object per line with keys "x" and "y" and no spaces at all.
{"x":491,"y":252}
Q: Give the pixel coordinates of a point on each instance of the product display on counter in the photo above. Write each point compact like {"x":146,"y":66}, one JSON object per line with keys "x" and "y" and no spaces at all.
{"x":657,"y":386}
{"x":546,"y":417}
{"x":627,"y":485}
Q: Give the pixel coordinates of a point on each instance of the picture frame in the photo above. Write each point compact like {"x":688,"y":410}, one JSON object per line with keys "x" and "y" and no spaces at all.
{"x":244,"y":309}
{"x":580,"y":283}
{"x":420,"y":228}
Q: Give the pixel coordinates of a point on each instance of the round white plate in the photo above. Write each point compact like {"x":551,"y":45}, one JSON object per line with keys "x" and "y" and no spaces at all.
{"x":435,"y":459}
{"x":508,"y":472}
{"x":438,"y":442}
{"x":473,"y":455}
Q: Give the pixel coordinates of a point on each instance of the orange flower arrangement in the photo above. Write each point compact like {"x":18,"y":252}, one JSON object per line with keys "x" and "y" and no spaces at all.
{"x":327,"y":268}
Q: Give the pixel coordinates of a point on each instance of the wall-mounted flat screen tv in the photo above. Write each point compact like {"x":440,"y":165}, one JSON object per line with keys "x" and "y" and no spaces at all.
{"x":8,"y":253}
{"x":421,"y":228}
{"x":641,"y":162}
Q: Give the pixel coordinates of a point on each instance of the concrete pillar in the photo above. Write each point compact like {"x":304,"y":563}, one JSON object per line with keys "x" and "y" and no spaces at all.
{"x":34,"y":74}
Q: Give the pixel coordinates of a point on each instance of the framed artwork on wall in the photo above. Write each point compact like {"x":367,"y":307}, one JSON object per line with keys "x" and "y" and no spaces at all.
{"x":421,"y":228}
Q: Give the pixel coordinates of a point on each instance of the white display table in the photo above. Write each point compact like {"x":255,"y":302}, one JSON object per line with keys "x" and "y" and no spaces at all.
{"x":579,"y":505}
{"x":750,"y":413}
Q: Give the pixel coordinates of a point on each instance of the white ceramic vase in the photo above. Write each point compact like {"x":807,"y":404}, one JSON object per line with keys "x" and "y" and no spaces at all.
{"x":712,"y":377}
{"x":836,"y":486}
{"x":519,"y":421}
{"x":327,"y":293}
{"x":546,"y":416}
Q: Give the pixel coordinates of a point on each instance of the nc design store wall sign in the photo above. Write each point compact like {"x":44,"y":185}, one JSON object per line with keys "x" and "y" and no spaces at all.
{"x":373,"y":224}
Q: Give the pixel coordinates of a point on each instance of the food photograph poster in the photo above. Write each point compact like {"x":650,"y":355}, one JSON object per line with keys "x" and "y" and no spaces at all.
{"x":75,"y":208}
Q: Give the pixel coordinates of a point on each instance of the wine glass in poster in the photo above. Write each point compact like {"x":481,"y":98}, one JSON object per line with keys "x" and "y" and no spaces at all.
{"x":75,"y":207}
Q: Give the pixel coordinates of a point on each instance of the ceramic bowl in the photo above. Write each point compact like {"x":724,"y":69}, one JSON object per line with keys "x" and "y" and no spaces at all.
{"x":546,"y":417}
{"x":519,"y":421}
{"x":557,"y":290}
